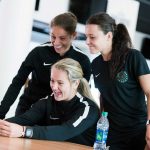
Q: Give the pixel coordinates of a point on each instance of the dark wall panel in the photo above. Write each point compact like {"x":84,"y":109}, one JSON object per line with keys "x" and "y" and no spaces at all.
{"x":146,"y":48}
{"x":84,"y":8}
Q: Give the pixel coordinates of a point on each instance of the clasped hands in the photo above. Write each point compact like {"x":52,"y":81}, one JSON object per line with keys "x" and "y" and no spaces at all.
{"x":8,"y":129}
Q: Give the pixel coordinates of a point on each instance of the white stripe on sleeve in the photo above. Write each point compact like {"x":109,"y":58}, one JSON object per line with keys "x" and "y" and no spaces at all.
{"x":85,"y":113}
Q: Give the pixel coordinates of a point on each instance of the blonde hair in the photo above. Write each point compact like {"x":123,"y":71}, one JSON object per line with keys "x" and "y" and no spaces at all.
{"x":74,"y":72}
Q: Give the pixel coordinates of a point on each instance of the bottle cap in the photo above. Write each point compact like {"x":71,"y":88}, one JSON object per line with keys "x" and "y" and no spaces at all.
{"x":104,"y":113}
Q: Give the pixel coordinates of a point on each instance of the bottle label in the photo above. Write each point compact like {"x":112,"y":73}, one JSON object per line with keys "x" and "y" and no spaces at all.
{"x":101,"y":136}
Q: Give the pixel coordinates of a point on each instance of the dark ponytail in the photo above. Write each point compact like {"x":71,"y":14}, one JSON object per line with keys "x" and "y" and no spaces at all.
{"x":120,"y":48}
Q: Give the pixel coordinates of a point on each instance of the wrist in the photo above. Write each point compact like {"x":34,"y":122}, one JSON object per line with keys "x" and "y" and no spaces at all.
{"x":23,"y":131}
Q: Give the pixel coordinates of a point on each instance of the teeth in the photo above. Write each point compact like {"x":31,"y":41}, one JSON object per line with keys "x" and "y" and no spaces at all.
{"x":57,"y":93}
{"x":58,"y":46}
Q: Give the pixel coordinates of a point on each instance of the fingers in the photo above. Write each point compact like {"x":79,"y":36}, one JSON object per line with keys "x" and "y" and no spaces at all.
{"x":4,"y":133}
{"x":10,"y":129}
{"x":4,"y":128}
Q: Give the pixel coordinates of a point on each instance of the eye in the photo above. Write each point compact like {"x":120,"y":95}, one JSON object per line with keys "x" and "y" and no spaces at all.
{"x":92,"y":37}
{"x":62,"y":38}
{"x":60,"y":83}
{"x":52,"y":37}
{"x":51,"y":81}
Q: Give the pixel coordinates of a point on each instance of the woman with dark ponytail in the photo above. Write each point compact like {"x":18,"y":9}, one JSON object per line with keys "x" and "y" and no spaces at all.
{"x":123,"y":78}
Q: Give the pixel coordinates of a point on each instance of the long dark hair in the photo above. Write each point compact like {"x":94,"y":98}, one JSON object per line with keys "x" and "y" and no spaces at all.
{"x":121,"y":42}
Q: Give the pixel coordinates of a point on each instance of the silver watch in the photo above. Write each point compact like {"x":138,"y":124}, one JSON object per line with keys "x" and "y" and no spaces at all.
{"x":28,"y":132}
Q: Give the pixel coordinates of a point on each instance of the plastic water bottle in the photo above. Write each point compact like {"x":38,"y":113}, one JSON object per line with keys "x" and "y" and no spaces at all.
{"x":101,"y":132}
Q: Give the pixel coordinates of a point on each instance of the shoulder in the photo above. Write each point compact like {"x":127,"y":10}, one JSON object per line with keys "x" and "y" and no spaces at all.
{"x":41,"y":47}
{"x":90,"y":104}
{"x":135,"y":55}
{"x":88,"y":108}
{"x":44,"y":102}
{"x":44,"y":99}
{"x":137,"y":62}
{"x":79,"y":52}
{"x":97,"y":60}
{"x":41,"y":50}
{"x":133,"y":52}
{"x":91,"y":108}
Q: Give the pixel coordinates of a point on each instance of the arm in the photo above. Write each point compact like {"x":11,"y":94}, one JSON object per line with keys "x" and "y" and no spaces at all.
{"x":70,"y":129}
{"x":16,"y":85}
{"x":82,"y":120}
{"x":33,"y":116}
{"x":145,"y":84}
{"x":15,"y":126}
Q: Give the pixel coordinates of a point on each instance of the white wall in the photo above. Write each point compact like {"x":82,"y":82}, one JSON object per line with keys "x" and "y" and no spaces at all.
{"x":49,"y":9}
{"x":15,"y":27}
{"x":122,"y":13}
{"x":15,"y":31}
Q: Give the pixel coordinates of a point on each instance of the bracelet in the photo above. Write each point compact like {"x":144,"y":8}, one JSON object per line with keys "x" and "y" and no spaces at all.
{"x":23,"y":131}
{"x":148,"y":122}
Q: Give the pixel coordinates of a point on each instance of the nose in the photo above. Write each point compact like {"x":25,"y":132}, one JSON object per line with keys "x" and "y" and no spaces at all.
{"x":54,"y":86}
{"x":56,"y":41}
{"x":87,"y":41}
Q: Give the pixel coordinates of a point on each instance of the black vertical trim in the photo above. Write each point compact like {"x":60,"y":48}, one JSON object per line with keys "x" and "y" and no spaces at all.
{"x":37,"y":5}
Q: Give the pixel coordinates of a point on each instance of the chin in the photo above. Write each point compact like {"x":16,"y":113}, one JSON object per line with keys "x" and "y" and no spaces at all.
{"x":94,"y":51}
{"x":58,"y":98}
{"x":58,"y":51}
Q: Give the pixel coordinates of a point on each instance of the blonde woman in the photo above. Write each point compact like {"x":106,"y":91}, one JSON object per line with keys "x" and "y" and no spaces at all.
{"x":69,"y":114}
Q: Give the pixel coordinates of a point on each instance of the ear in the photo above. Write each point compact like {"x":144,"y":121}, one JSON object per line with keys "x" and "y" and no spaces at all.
{"x":109,"y":36}
{"x":74,"y":35}
{"x":76,"y":84}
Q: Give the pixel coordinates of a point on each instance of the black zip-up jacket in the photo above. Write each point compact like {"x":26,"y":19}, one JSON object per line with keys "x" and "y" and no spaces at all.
{"x":74,"y":121}
{"x":38,"y":63}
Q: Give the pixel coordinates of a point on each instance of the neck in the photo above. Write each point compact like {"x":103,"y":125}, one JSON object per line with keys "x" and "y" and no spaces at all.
{"x":106,"y":57}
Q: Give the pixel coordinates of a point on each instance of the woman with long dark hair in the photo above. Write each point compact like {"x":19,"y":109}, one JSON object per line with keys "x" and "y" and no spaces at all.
{"x":123,"y":78}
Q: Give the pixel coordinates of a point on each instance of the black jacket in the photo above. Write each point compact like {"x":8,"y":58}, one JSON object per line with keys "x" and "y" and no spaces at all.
{"x":73,"y":120}
{"x":38,"y":63}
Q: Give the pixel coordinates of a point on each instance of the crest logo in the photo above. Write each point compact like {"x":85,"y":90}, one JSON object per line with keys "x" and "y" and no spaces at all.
{"x":122,"y":76}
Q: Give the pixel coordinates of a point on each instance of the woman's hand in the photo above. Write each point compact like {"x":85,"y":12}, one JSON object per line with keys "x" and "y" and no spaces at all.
{"x":10,"y":129}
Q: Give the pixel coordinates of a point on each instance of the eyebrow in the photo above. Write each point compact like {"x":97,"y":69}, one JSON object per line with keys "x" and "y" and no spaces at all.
{"x":57,"y":80}
{"x":60,"y":35}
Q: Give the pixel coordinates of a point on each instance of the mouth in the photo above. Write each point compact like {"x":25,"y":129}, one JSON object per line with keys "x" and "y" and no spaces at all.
{"x":57,"y":94}
{"x":90,"y":46}
{"x":58,"y":47}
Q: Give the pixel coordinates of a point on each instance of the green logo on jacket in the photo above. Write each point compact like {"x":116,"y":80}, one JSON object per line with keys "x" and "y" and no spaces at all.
{"x":122,"y":76}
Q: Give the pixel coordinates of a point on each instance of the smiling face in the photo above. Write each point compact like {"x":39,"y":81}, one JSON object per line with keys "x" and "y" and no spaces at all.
{"x":62,"y":88}
{"x":61,"y":40}
{"x":96,"y":40}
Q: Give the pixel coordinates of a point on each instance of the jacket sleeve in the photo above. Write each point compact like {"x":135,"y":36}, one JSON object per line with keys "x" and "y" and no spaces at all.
{"x":16,"y":85}
{"x":33,"y":116}
{"x":83,"y":119}
{"x":86,"y":66}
